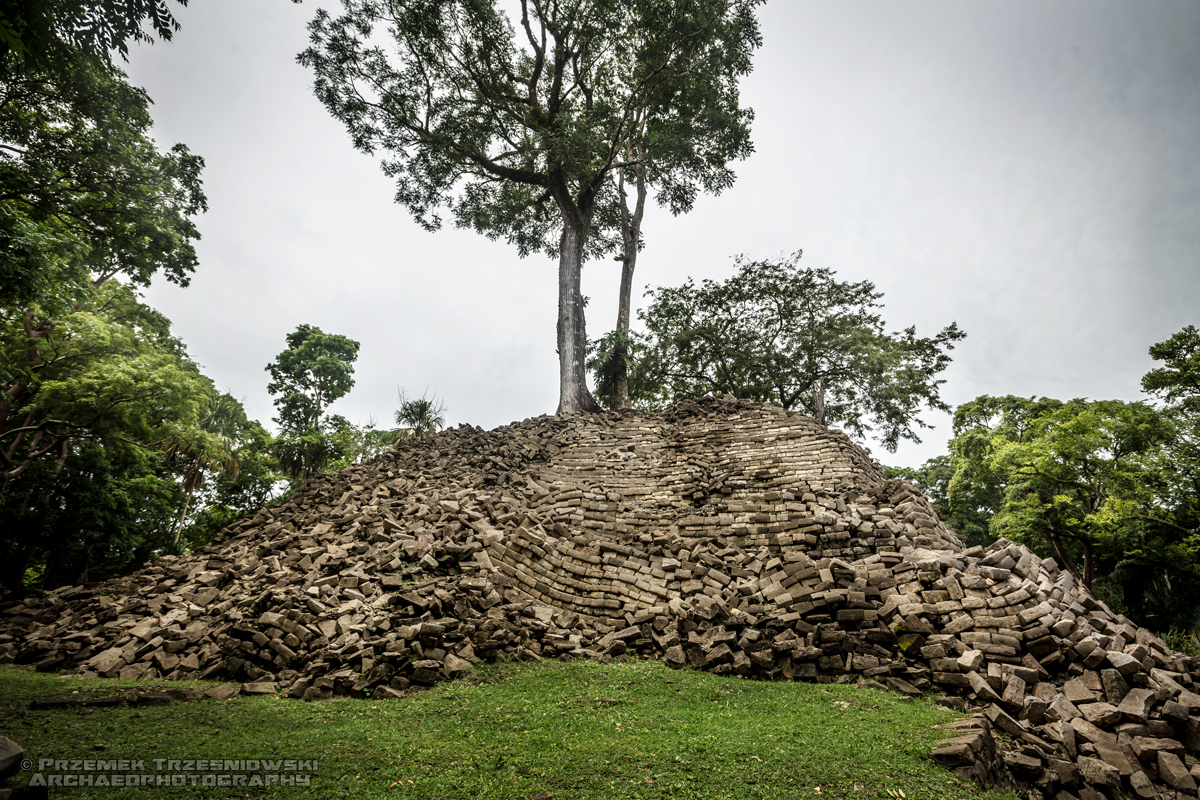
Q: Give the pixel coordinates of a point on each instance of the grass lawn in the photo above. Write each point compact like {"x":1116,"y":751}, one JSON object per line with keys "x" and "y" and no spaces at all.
{"x":569,"y":730}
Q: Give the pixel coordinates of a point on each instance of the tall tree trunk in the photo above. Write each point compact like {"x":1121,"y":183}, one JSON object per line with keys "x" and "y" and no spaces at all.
{"x":631,"y":233}
{"x":187,"y":500}
{"x":1088,"y":558}
{"x":16,"y":577}
{"x":818,"y":401}
{"x":573,"y":394}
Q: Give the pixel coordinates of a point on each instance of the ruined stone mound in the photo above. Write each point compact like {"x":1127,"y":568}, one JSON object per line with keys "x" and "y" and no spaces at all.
{"x":732,"y":536}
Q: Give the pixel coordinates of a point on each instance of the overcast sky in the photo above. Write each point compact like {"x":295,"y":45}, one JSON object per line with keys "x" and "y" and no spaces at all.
{"x":1028,"y":169}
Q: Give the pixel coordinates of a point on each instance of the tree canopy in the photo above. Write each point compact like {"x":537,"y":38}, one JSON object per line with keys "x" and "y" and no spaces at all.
{"x":316,"y":369}
{"x":779,"y":333}
{"x":105,"y":386}
{"x":48,"y":34}
{"x":497,"y":127}
{"x":85,"y":194}
{"x":1075,"y":479}
{"x":1108,"y":488}
{"x":107,"y":428}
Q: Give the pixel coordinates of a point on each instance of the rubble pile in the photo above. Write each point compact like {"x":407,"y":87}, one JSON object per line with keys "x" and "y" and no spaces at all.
{"x":724,"y":534}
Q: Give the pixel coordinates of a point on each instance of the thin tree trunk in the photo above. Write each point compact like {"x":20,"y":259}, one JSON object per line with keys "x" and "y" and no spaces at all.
{"x":17,"y":578}
{"x":631,"y":233}
{"x":818,"y":398}
{"x":87,"y":566}
{"x":187,"y":500}
{"x":573,"y":394}
{"x":1088,"y":563}
{"x":1068,"y":564}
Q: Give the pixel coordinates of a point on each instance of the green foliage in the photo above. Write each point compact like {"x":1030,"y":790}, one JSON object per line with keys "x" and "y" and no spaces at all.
{"x":107,"y":511}
{"x":96,"y":396}
{"x":107,"y":429}
{"x":618,"y":352}
{"x":777,"y":333}
{"x":109,"y":370}
{"x":492,"y":125}
{"x":225,"y":498}
{"x":84,"y":192}
{"x":420,"y":416}
{"x":1177,"y":385}
{"x":225,"y":460}
{"x":358,"y":444}
{"x":52,"y":34}
{"x":1177,"y":382}
{"x":975,"y":491}
{"x":315,"y":370}
{"x":304,"y":453}
{"x":1076,"y":480}
{"x":210,"y":445}
{"x":1097,"y":484}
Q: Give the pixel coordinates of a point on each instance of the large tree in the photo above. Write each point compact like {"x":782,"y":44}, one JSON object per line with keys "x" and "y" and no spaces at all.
{"x":497,"y":127}
{"x":678,"y":153}
{"x":1075,"y":479}
{"x":85,"y":194}
{"x":108,"y":374}
{"x":779,"y":333}
{"x":1175,"y":479}
{"x":1099,"y":485}
{"x":976,"y":486}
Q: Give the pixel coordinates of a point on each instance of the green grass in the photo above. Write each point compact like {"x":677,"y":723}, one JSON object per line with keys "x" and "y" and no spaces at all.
{"x":571,"y":730}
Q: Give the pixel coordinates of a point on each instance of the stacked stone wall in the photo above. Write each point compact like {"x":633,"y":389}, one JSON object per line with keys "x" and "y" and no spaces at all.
{"x":725,"y":535}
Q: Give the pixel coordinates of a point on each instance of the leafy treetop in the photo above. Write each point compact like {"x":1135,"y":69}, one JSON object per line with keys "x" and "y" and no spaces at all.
{"x":85,"y":195}
{"x":315,"y":370}
{"x":779,"y":333}
{"x":499,"y":127}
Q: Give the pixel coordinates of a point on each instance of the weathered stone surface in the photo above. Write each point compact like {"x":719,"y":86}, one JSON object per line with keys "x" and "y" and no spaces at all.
{"x":1102,"y":715}
{"x":1099,"y":773}
{"x":1023,"y":767}
{"x":1123,"y":663}
{"x":1173,"y":772}
{"x":260,"y":688}
{"x":1142,"y":786}
{"x":225,"y":691}
{"x":1078,"y":693}
{"x":1111,"y":753}
{"x":1136,"y":704}
{"x":982,"y":689}
{"x":1115,"y":686}
{"x":11,"y":754}
{"x":1147,"y":748}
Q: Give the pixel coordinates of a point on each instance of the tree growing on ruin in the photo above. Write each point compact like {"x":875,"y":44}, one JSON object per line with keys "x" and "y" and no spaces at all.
{"x":779,"y":333}
{"x":515,"y":132}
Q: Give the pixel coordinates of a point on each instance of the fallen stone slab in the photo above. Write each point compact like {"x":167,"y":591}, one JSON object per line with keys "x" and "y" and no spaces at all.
{"x":226,"y":691}
{"x":11,"y":754}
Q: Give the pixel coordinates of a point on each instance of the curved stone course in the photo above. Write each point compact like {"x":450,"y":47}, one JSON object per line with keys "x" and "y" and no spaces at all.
{"x":723,"y":534}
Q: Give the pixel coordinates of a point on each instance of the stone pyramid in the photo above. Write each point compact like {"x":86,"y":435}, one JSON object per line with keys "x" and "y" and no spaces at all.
{"x":721,"y":534}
